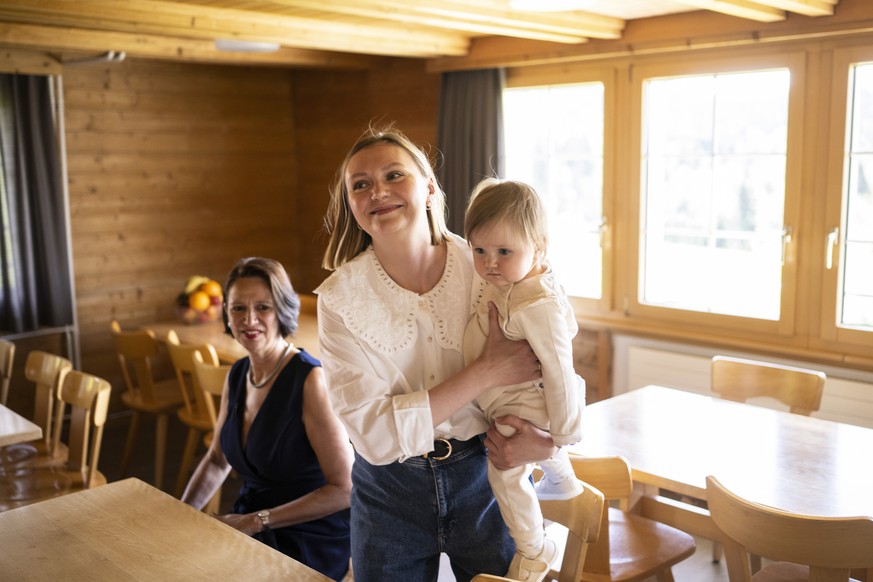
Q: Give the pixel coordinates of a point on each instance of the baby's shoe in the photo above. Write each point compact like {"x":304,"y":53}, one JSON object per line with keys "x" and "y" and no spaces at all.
{"x":533,"y":570}
{"x":548,"y":490}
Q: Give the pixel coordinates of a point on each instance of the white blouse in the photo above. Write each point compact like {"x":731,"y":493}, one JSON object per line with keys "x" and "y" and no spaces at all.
{"x":383,"y":347}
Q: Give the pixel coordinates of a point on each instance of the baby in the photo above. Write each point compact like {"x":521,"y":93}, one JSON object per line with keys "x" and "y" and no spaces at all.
{"x":506,"y":228}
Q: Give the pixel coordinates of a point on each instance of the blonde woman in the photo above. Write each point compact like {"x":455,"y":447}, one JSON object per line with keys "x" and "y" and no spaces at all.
{"x":392,"y":319}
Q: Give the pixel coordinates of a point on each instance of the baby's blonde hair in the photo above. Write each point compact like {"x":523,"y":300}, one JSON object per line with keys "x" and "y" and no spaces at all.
{"x":515,"y":203}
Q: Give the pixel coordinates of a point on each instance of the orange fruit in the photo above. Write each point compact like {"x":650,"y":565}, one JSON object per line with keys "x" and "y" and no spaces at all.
{"x":199,"y":301}
{"x":211,"y":288}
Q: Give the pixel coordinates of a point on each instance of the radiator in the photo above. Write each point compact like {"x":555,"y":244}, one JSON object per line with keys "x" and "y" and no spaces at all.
{"x":846,"y":399}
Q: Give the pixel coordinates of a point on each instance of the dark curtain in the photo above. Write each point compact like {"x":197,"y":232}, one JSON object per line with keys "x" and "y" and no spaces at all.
{"x":35,"y":285}
{"x":469,"y":135}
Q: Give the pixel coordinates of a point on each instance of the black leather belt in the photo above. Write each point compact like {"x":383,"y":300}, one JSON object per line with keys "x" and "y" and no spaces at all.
{"x":444,"y":448}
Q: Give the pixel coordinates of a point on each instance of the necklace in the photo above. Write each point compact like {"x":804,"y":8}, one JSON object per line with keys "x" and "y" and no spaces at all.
{"x":264,"y":382}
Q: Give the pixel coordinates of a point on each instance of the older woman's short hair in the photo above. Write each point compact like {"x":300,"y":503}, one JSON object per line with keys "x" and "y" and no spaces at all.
{"x":285,"y":299}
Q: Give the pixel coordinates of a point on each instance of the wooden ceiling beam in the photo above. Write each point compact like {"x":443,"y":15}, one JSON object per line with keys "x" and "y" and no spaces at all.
{"x":742,"y":8}
{"x":175,"y":19}
{"x":805,"y":7}
{"x":63,"y":39}
{"x":483,"y":17}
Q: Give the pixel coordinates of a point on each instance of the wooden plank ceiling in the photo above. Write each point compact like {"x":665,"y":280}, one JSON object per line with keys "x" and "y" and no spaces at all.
{"x":340,"y":33}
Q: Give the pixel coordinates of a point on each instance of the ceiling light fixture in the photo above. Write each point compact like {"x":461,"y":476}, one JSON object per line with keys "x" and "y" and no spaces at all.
{"x":245,"y":46}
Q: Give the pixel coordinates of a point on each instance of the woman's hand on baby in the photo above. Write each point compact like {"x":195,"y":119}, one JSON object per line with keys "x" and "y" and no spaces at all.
{"x":528,"y":444}
{"x":510,"y":362}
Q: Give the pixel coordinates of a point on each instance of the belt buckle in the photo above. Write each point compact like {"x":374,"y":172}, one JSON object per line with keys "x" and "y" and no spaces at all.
{"x":442,"y":457}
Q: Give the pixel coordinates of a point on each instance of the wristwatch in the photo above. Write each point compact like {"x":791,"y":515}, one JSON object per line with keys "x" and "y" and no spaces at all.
{"x":264,"y":516}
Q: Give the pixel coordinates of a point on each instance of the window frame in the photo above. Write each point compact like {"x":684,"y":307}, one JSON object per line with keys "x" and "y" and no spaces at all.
{"x":831,"y":334}
{"x":575,"y":75}
{"x":794,"y":61}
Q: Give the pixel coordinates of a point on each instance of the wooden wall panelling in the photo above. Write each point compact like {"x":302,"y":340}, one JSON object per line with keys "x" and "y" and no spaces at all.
{"x":174,"y":170}
{"x":592,"y":358}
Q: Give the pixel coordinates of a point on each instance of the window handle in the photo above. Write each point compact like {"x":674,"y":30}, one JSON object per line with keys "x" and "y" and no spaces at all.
{"x":830,"y":245}
{"x":786,"y":240}
{"x":603,"y":228}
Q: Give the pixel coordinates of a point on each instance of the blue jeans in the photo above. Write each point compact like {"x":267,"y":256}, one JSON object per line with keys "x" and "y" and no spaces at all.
{"x":405,"y":514}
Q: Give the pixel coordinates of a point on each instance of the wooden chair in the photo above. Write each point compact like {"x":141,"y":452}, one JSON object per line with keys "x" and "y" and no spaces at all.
{"x":136,"y":351}
{"x":739,"y":380}
{"x":7,"y":356}
{"x":211,"y":379}
{"x":823,"y":549}
{"x":581,"y":518}
{"x":629,"y":547}
{"x":88,"y":398}
{"x":47,"y":372}
{"x":198,"y":411}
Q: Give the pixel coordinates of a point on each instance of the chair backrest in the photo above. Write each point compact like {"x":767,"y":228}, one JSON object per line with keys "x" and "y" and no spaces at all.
{"x":7,"y":356}
{"x":211,"y":379}
{"x":798,"y":388}
{"x":830,"y":546}
{"x":88,"y":398}
{"x":182,"y":356}
{"x":47,"y":372}
{"x":136,"y":350}
{"x":612,"y":477}
{"x":581,"y":515}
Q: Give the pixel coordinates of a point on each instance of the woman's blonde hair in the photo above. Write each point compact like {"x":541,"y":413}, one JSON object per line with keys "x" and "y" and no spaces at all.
{"x":347,"y":239}
{"x":515,"y":203}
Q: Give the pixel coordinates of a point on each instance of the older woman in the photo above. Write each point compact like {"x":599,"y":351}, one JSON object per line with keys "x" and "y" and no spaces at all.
{"x":391,"y":321}
{"x":277,"y":430}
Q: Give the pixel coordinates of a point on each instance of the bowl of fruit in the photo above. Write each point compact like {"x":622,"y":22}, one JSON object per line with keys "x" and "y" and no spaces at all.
{"x":200,"y":301}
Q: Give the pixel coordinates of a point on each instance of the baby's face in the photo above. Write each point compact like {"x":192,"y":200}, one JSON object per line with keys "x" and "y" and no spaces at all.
{"x":501,"y":256}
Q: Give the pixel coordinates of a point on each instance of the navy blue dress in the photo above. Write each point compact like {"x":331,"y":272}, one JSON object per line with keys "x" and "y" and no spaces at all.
{"x":278,"y":465}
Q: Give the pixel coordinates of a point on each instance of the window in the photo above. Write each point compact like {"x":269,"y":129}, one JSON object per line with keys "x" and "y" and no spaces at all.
{"x":554,"y":142}
{"x":846,"y":231}
{"x":714,"y":151}
{"x":856,"y":281}
{"x":725,"y":176}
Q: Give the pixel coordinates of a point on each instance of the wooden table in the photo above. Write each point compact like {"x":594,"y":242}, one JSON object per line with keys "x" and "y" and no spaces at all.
{"x":128,"y":530}
{"x":227,"y":348}
{"x":14,"y":428}
{"x":674,"y":439}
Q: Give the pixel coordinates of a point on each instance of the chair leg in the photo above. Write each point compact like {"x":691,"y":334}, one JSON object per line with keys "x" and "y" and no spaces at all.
{"x":755,"y":562}
{"x":160,"y":448}
{"x":131,"y":441}
{"x":716,"y":552}
{"x":187,"y":460}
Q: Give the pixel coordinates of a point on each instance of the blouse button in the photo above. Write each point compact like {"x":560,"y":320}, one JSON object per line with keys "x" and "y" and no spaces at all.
{"x":429,"y":339}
